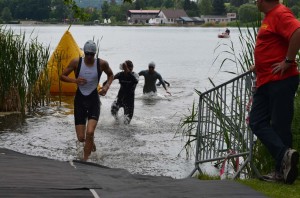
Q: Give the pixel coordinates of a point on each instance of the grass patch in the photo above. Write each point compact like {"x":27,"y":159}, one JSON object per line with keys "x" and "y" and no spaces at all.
{"x":274,"y":190}
{"x":205,"y":176}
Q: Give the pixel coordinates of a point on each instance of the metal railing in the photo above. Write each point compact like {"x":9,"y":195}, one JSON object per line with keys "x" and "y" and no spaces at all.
{"x":223,"y":135}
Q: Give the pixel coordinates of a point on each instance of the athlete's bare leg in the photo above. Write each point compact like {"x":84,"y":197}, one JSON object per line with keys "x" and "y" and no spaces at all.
{"x":89,"y":138}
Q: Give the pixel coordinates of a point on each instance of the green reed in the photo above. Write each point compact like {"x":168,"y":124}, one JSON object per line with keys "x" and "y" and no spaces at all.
{"x":187,"y":128}
{"x":37,"y":59}
{"x":58,"y":57}
{"x":22,"y":64}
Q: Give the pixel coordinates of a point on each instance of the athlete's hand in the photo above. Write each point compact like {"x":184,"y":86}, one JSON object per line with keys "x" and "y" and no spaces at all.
{"x":103,"y":90}
{"x":80,"y":81}
{"x":169,"y":93}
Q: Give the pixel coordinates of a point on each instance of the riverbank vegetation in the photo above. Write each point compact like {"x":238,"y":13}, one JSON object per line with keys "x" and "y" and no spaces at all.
{"x":23,"y":65}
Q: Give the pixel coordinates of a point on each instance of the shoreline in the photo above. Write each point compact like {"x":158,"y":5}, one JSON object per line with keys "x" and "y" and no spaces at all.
{"x":34,"y":22}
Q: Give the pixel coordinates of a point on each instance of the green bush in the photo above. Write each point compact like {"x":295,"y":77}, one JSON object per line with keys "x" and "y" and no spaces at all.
{"x":248,"y":13}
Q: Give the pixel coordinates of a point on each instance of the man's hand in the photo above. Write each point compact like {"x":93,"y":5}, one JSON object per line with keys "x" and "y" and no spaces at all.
{"x":252,"y":68}
{"x":169,"y":92}
{"x":280,"y":67}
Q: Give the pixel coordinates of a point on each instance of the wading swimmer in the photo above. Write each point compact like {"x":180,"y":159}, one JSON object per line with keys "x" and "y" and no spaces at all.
{"x":151,"y":76}
{"x":125,"y":98}
{"x":87,"y":71}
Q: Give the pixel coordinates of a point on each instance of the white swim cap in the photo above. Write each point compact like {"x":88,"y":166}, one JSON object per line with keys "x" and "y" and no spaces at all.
{"x":90,"y":46}
{"x":151,"y":64}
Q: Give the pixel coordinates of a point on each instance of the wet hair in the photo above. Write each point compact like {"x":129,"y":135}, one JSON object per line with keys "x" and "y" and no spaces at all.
{"x":129,"y":63}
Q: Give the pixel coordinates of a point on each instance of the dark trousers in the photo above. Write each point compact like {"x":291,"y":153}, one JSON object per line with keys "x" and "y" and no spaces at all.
{"x":272,"y":114}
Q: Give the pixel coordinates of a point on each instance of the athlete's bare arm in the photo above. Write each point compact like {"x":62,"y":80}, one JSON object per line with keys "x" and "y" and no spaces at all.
{"x":72,"y":67}
{"x":110,"y":76}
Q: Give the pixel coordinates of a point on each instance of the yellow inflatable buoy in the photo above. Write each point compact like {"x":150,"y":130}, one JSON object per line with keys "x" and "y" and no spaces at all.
{"x":66,"y":50}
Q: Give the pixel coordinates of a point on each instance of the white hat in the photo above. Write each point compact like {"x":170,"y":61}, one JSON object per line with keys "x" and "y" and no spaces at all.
{"x":90,"y":46}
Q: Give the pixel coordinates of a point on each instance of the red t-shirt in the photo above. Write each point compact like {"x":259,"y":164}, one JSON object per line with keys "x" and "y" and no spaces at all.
{"x":272,"y":44}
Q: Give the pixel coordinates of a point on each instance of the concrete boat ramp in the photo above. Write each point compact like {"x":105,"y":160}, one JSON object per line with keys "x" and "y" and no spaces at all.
{"x":29,"y":176}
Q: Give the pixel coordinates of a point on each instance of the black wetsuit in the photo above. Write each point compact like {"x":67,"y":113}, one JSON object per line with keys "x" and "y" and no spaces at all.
{"x":159,"y":83}
{"x":150,"y":80}
{"x":126,"y":94}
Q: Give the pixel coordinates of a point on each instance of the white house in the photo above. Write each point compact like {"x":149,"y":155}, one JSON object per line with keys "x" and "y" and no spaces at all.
{"x":141,"y":16}
{"x":170,"y":16}
{"x":219,"y":19}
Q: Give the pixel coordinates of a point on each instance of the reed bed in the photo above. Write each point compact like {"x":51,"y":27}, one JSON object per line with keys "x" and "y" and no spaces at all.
{"x":24,"y":83}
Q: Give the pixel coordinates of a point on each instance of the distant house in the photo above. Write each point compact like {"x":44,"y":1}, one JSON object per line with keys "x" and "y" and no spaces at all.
{"x":215,"y":19}
{"x":190,"y":20}
{"x":219,"y":19}
{"x":170,"y":16}
{"x":141,"y":16}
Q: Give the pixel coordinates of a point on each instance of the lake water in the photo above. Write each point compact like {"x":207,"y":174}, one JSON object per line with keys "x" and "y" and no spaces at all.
{"x":183,"y":56}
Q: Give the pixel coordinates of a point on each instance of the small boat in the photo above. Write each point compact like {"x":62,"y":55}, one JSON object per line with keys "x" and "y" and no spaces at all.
{"x":223,"y":35}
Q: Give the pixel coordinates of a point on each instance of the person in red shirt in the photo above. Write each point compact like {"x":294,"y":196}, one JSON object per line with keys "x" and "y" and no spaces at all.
{"x":277,"y":44}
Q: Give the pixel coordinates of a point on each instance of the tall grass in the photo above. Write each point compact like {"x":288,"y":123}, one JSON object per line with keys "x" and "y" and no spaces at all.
{"x":23,"y":65}
{"x":58,"y":57}
{"x":187,"y":128}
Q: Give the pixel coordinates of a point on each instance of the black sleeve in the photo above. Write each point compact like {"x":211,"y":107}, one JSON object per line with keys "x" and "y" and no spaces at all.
{"x":141,"y":73}
{"x":117,"y":76}
{"x":167,"y":83}
{"x":134,"y":77}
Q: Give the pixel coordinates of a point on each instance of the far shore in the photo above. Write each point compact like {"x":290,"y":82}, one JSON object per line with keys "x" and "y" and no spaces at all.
{"x":34,"y":22}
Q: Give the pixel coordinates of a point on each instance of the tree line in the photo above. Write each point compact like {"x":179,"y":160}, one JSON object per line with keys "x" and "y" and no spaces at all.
{"x":60,"y":10}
